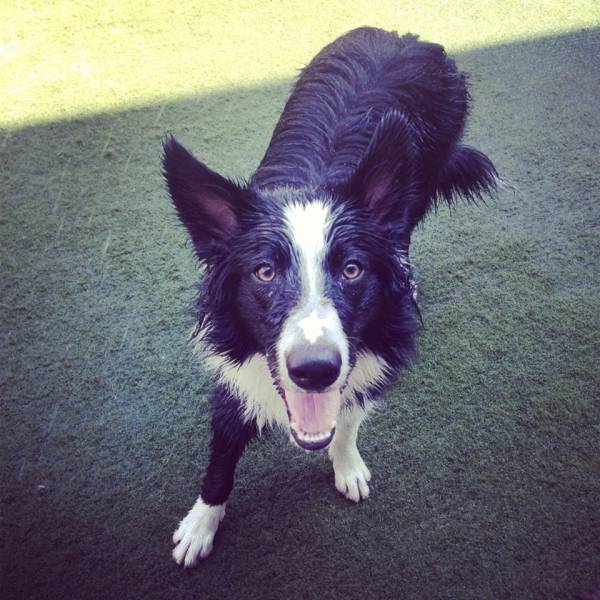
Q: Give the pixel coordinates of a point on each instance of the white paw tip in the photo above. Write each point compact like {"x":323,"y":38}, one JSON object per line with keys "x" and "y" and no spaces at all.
{"x":355,"y":490}
{"x":195,"y":534}
{"x":351,"y":476}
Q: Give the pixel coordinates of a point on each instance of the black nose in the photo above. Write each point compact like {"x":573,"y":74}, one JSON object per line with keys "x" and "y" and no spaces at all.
{"x":313,"y":368}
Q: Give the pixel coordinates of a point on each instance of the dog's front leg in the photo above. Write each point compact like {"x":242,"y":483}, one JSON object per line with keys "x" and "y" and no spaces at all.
{"x":351,"y":473}
{"x":231,"y":433}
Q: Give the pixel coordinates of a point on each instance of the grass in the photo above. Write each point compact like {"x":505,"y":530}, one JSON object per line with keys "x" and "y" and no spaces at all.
{"x":71,"y":58}
{"x":486,"y":456}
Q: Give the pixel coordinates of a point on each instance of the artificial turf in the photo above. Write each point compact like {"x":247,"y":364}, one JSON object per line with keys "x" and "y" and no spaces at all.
{"x":485,"y":456}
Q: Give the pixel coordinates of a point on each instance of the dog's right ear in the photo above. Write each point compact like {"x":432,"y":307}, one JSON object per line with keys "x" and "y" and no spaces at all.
{"x":207,"y":204}
{"x":387,"y":181}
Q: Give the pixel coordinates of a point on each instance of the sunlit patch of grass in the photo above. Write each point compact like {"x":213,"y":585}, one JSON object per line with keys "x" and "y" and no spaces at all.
{"x":65,"y":58}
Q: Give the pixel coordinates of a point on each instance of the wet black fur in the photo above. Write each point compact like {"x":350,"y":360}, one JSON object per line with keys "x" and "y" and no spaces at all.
{"x":373,"y":126}
{"x":231,"y":434}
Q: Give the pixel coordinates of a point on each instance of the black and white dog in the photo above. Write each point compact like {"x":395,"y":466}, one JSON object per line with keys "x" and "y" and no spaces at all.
{"x":306,"y":309}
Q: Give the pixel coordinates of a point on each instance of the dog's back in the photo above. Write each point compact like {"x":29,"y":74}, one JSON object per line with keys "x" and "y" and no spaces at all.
{"x":341,"y":96}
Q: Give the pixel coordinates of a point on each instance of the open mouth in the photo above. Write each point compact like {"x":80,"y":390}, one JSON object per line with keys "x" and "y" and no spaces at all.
{"x":312,"y":417}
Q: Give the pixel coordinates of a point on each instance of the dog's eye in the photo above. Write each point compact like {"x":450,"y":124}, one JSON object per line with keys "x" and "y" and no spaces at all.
{"x":265,"y":272}
{"x":352,"y":270}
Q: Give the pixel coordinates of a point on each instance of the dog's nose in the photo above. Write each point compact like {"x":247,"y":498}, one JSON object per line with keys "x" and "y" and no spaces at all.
{"x":314,"y":368}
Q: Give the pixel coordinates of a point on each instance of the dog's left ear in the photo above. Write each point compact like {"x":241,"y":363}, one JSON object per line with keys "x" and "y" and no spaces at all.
{"x":207,"y":203}
{"x":387,"y":181}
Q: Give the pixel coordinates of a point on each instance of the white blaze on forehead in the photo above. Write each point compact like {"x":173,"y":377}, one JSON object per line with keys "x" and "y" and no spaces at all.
{"x":308,"y":225}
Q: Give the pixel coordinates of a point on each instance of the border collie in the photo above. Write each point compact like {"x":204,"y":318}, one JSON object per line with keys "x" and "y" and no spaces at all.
{"x":306,"y":310}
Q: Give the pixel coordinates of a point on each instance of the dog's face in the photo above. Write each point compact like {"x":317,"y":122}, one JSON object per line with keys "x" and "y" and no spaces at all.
{"x":307,"y":289}
{"x":306,"y":278}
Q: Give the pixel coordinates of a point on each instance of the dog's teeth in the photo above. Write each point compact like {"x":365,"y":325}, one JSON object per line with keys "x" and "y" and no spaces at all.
{"x":312,"y":437}
{"x":319,"y":437}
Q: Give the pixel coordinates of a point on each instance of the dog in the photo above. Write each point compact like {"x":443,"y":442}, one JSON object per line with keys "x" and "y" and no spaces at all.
{"x":307,"y":308}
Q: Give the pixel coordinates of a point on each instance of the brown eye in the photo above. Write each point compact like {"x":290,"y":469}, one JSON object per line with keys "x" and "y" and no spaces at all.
{"x":352,"y":270}
{"x":265,"y":272}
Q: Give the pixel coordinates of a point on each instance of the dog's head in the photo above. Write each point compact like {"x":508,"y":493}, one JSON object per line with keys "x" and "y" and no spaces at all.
{"x":314,"y":278}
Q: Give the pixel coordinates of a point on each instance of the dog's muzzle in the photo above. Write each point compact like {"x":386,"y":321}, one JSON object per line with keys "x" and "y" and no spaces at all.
{"x":313,"y":408}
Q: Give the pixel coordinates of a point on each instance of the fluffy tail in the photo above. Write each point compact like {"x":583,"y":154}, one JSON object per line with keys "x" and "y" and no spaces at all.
{"x":468,"y":174}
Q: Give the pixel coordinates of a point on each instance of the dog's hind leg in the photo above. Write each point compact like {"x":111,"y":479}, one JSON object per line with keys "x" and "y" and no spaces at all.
{"x":351,"y":473}
{"x":193,"y":538}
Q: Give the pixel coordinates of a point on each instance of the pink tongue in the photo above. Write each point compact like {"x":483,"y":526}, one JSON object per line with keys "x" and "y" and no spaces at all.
{"x":313,"y":413}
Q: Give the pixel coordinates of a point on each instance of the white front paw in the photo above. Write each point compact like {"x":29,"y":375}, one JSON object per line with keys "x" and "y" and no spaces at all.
{"x":195,"y":534}
{"x":351,"y":474}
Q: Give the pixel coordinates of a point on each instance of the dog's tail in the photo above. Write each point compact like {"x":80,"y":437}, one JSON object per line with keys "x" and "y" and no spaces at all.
{"x":468,"y":174}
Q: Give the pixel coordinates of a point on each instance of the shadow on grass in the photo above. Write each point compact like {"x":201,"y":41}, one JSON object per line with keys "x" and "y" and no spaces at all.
{"x":486,"y":468}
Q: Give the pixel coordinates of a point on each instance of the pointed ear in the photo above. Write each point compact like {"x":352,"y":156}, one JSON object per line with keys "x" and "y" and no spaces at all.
{"x":207,"y":204}
{"x":467,"y":174}
{"x":387,"y":180}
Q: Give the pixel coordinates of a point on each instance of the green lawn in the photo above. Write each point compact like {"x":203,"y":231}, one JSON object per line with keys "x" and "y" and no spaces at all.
{"x":485,"y":457}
